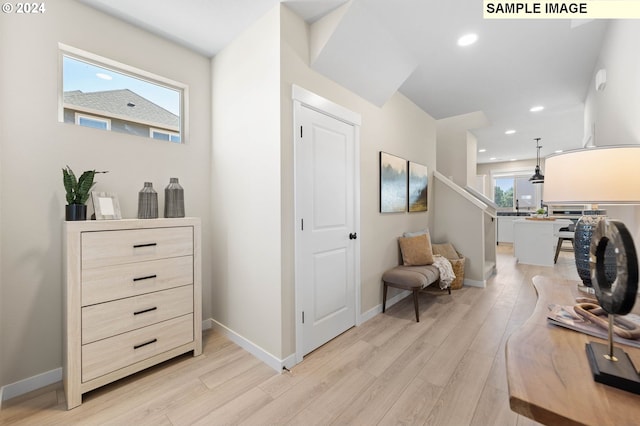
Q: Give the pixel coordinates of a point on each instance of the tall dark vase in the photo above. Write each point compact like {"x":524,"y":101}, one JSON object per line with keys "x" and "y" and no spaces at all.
{"x":75,"y":212}
{"x":147,"y":202}
{"x":173,"y":199}
{"x":581,"y":246}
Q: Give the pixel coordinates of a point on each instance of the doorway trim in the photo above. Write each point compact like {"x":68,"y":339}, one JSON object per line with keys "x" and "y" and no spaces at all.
{"x":302,"y":97}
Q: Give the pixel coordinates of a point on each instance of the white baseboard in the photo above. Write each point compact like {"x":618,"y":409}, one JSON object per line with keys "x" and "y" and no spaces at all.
{"x":475,"y":283}
{"x":30,"y":384}
{"x":290,"y":361}
{"x":255,"y":350}
{"x":48,"y":378}
{"x":207,"y":324}
{"x":378,"y":309}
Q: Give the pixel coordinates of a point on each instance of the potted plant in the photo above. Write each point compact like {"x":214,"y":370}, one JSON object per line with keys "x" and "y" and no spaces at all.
{"x":78,"y":191}
{"x":541,"y":212}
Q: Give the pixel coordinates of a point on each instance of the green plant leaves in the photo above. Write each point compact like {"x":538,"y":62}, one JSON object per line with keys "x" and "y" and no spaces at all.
{"x":70,"y":183}
{"x":78,"y":189}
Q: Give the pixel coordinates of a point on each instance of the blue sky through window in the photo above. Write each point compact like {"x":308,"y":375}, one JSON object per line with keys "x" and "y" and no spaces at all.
{"x":504,"y":183}
{"x":80,"y":75}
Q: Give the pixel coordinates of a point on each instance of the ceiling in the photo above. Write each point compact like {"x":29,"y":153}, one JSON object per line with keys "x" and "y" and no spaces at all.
{"x":378,"y":47}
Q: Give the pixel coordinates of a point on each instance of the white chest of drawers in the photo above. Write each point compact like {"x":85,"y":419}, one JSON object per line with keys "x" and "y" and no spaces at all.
{"x":132,"y":298}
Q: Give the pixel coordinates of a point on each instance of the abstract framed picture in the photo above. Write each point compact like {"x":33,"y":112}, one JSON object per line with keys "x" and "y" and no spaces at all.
{"x":393,"y":183}
{"x":418,"y":187}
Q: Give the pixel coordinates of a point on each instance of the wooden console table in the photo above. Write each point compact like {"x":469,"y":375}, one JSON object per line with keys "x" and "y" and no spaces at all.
{"x":548,"y":373}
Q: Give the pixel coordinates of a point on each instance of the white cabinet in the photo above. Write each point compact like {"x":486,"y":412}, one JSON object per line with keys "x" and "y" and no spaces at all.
{"x":535,"y":240}
{"x":132,"y":298}
{"x":505,"y":228}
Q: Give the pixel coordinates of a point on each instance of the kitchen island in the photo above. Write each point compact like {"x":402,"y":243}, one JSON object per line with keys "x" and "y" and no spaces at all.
{"x":534,"y":240}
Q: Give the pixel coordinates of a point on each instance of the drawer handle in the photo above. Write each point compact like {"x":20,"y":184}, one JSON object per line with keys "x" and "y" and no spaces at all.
{"x":145,"y":245}
{"x":145,"y":344}
{"x":145,"y":310}
{"x":148,"y":277}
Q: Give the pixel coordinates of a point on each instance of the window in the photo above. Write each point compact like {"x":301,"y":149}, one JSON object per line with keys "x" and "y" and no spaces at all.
{"x":165,"y":135}
{"x":503,"y":192}
{"x":513,"y":190}
{"x":92,"y":121}
{"x":103,"y":94}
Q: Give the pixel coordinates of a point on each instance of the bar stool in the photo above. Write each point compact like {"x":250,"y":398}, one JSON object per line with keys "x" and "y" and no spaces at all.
{"x":564,"y":234}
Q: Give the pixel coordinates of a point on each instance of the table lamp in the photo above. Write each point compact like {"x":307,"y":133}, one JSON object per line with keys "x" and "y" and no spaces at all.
{"x":595,"y":176}
{"x":606,"y":175}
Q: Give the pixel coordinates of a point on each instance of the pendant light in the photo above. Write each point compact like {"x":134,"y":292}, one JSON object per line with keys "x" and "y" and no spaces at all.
{"x":537,"y":176}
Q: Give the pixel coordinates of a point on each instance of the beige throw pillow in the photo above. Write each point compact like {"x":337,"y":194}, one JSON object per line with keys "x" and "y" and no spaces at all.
{"x":445,"y":250}
{"x":416,"y":250}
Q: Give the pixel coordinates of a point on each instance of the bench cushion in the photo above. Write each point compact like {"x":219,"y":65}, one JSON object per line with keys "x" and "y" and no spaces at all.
{"x":411,"y":277}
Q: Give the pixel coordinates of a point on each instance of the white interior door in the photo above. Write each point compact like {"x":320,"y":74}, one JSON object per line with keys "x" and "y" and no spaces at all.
{"x":326,"y":236}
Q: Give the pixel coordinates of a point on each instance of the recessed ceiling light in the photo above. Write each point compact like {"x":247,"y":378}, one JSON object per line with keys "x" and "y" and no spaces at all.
{"x":558,"y":151}
{"x":536,"y":108}
{"x":513,"y":159}
{"x":104,"y":76}
{"x":509,"y":132}
{"x":493,"y":158}
{"x":467,"y":39}
{"x":482,"y":150}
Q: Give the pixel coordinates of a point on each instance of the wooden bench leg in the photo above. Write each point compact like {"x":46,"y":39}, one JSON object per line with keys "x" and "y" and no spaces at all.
{"x":415,"y":304}
{"x":384,"y":297}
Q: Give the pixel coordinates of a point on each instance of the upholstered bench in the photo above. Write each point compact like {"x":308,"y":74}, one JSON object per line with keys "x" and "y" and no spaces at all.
{"x":412,"y":278}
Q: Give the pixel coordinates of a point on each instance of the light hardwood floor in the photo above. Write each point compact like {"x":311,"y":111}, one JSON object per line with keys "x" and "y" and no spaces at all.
{"x":449,"y":369}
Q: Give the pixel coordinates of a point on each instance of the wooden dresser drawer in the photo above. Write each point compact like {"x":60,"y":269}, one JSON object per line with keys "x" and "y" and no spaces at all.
{"x":132,"y":298}
{"x":120,"y":316}
{"x":132,"y":279}
{"x":135,"y":245}
{"x":107,"y":355}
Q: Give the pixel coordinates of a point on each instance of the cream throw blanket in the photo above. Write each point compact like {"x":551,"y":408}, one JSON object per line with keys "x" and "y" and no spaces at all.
{"x":446,"y":271}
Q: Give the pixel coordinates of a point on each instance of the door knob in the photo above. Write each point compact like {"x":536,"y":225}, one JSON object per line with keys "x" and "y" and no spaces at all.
{"x":353,"y":236}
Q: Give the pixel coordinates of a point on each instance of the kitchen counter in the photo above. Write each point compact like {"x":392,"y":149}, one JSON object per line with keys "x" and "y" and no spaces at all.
{"x":505,"y":225}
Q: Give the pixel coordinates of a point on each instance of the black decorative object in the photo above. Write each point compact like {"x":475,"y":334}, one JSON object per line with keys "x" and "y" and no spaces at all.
{"x":612,"y":366}
{"x":537,"y":176}
{"x":174,"y":199}
{"x":582,"y":243}
{"x":75,"y":212}
{"x":147,"y":202}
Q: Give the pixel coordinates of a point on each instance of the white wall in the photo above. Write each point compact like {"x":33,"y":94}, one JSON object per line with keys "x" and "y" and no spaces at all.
{"x":399,"y":127}
{"x":246,"y":192}
{"x":471,"y":159}
{"x":253,"y":262}
{"x":457,"y":147}
{"x":35,"y":147}
{"x":614,"y":112}
{"x":458,"y":221}
{"x":452,"y":153}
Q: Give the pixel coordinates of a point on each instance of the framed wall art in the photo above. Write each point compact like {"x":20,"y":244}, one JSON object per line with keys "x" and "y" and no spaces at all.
{"x":106,"y":205}
{"x":418,"y":187}
{"x":393,"y":183}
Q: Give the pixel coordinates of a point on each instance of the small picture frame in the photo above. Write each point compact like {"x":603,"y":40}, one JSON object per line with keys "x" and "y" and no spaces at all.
{"x":106,"y":205}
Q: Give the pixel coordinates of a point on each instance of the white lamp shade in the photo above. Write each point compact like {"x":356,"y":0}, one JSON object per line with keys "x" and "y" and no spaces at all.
{"x":605,"y":175}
